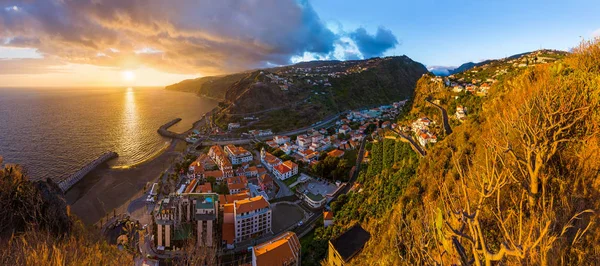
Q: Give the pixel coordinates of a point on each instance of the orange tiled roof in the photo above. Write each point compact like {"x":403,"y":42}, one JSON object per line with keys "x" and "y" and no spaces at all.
{"x":327,"y":215}
{"x":251,"y":204}
{"x":335,"y":153}
{"x":229,"y":199}
{"x":191,"y":186}
{"x":265,"y":179}
{"x":228,"y":233}
{"x":204,"y":188}
{"x":282,"y":169}
{"x":216,"y":173}
{"x":290,"y":164}
{"x":282,"y":250}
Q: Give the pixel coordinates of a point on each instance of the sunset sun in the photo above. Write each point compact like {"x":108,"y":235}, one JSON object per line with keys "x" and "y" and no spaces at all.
{"x":128,"y":76}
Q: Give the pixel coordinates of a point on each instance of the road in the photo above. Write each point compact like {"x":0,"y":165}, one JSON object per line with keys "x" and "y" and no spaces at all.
{"x":447,"y":127}
{"x":414,"y":144}
{"x":359,"y":159}
{"x":242,"y":141}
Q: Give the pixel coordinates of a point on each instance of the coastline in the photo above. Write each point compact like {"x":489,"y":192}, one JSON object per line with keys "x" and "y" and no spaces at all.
{"x":150,"y":158}
{"x":105,"y":189}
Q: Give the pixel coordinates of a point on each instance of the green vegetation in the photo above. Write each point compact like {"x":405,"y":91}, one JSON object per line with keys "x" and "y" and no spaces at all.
{"x":380,"y":190}
{"x":291,"y":180}
{"x":386,"y":80}
{"x":36,"y":229}
{"x":516,"y":183}
{"x":332,"y":168}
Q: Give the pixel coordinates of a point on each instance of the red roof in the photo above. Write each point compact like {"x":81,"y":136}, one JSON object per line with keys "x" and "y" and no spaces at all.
{"x":282,"y":169}
{"x":335,"y":153}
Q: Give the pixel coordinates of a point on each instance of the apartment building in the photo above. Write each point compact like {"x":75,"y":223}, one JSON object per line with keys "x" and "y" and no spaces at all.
{"x":252,"y":218}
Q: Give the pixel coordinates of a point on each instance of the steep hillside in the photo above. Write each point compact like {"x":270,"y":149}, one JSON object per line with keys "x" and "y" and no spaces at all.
{"x":299,"y":95}
{"x":37,"y":229}
{"x":495,"y":69}
{"x":516,"y":184}
{"x":532,"y":58}
{"x":210,"y":87}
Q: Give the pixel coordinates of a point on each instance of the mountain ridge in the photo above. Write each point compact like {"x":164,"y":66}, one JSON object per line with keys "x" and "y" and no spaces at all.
{"x":449,"y":70}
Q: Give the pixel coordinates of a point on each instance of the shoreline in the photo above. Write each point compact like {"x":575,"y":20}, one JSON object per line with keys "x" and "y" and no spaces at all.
{"x":150,"y":158}
{"x":107,"y":189}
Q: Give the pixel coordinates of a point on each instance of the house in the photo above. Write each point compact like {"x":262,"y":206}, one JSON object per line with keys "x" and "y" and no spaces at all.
{"x":366,"y":157}
{"x":272,"y":144}
{"x":303,"y":141}
{"x":317,"y":137}
{"x":238,"y":155}
{"x":288,"y":148}
{"x":308,"y":155}
{"x":471,"y":88}
{"x":386,"y":124}
{"x":217,"y":174}
{"x":191,"y":186}
{"x":251,"y":171}
{"x":421,"y":124}
{"x":204,"y":188}
{"x":232,"y":126}
{"x":327,"y":218}
{"x":230,"y":199}
{"x":425,"y":137}
{"x":484,"y":88}
{"x":285,"y":170}
{"x":344,"y":129}
{"x":196,"y":170}
{"x":236,"y":184}
{"x":219,"y":156}
{"x":347,"y":245}
{"x":457,"y":88}
{"x":284,"y":249}
{"x":280,"y":140}
{"x":265,"y":182}
{"x":336,"y":153}
{"x":461,"y":112}
{"x":269,"y":160}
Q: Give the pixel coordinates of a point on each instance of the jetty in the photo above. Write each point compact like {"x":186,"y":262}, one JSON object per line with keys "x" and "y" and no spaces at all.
{"x":164,"y":130}
{"x":66,"y":183}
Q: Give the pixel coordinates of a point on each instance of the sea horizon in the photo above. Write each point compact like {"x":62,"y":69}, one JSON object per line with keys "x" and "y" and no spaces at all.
{"x":78,"y":124}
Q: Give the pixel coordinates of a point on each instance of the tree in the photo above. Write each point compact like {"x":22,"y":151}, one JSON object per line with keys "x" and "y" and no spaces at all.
{"x":546,"y":114}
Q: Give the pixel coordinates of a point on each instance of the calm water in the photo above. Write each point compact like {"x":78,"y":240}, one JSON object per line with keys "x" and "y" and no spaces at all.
{"x":54,"y":132}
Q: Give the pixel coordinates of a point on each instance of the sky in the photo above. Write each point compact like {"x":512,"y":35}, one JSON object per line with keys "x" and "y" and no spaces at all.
{"x":156,"y":43}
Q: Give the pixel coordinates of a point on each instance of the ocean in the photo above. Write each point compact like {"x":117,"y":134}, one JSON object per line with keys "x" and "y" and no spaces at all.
{"x":54,"y":132}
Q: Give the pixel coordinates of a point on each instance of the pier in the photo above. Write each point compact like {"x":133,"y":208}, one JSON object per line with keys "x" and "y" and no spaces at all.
{"x":164,"y":130}
{"x":68,"y":182}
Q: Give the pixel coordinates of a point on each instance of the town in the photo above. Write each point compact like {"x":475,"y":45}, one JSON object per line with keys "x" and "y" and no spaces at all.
{"x":254,"y":197}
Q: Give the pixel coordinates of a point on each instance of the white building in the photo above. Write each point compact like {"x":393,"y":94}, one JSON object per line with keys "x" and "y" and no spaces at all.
{"x":252,"y":218}
{"x":232,"y":126}
{"x":238,"y":155}
{"x":280,"y":140}
{"x":285,"y":170}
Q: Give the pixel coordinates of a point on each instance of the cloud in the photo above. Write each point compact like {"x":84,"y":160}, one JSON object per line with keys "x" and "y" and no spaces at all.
{"x":596,"y":34}
{"x":373,"y":45}
{"x":180,"y":36}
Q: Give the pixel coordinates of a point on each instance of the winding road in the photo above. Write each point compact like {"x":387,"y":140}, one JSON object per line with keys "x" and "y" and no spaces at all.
{"x":447,"y":127}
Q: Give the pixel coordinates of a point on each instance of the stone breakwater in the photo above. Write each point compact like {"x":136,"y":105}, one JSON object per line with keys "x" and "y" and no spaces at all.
{"x":164,"y":130}
{"x":68,"y":182}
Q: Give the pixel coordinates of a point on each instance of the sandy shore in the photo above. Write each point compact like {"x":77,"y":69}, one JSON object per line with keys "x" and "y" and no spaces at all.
{"x":105,"y":188}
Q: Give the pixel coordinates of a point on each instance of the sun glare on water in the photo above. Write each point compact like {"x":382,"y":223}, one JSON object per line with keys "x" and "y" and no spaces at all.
{"x":128,"y":76}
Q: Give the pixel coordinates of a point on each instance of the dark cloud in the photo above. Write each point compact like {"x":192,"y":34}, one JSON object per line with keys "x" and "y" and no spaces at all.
{"x":373,"y":45}
{"x":185,"y":36}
